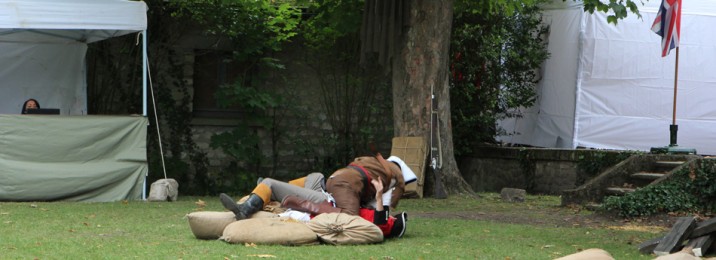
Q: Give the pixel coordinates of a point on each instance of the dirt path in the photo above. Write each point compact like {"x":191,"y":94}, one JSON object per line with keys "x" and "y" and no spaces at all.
{"x":560,"y":217}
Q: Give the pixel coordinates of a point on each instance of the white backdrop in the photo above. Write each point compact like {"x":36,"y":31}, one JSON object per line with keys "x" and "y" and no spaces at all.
{"x":607,"y":86}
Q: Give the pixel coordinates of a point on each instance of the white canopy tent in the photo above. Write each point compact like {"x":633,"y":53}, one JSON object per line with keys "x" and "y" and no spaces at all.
{"x":43,"y":45}
{"x":67,"y":157}
{"x":608,"y":87}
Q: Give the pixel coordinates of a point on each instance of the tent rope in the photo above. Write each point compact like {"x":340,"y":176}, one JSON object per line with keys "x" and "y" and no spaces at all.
{"x":156,"y":118}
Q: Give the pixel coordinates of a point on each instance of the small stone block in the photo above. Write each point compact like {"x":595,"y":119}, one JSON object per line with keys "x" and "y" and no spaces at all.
{"x":513,"y":195}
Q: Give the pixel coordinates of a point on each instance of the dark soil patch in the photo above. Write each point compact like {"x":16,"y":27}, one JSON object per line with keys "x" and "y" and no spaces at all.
{"x":557,"y":217}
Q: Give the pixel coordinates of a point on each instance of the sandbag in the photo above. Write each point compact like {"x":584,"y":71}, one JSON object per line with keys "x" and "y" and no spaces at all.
{"x":678,"y":256}
{"x":591,"y":254}
{"x":344,"y":229}
{"x":164,"y":190}
{"x":211,"y":224}
{"x":272,"y":231}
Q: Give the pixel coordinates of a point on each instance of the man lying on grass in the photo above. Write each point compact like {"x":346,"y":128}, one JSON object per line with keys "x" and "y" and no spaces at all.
{"x":307,"y":198}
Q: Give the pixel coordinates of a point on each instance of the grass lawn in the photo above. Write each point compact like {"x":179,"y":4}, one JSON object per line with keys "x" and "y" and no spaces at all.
{"x":458,"y":228}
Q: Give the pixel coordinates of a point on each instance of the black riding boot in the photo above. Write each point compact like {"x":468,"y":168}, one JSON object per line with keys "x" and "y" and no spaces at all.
{"x":244,"y":210}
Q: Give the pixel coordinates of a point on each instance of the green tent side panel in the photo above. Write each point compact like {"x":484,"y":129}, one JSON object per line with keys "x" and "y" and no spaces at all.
{"x":72,"y":158}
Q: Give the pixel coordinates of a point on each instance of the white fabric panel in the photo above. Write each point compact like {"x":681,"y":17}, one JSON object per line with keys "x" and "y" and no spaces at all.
{"x":53,"y":74}
{"x":69,"y":20}
{"x":627,"y":88}
{"x":562,"y":5}
{"x":690,"y":7}
{"x":550,"y":122}
{"x":622,"y":90}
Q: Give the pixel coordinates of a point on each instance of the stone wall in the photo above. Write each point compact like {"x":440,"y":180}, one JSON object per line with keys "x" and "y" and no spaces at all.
{"x":304,"y":139}
{"x":537,"y":170}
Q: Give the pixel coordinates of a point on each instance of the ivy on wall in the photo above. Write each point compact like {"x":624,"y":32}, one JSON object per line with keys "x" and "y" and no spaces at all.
{"x":689,"y":190}
{"x":591,"y":163}
{"x":528,"y":166}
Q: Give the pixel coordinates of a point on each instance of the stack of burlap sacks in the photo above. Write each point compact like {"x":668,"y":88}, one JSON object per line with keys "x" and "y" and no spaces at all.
{"x":600,"y":254}
{"x":268,"y":228}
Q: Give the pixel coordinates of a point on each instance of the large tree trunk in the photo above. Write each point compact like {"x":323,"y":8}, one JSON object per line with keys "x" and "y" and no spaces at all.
{"x":422,"y":64}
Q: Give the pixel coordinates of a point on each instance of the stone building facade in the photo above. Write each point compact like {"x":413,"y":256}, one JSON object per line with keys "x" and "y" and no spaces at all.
{"x":306,"y":138}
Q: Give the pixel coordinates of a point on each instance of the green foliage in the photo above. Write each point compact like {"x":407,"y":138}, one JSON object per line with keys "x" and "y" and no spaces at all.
{"x":351,"y":95}
{"x":691,"y":189}
{"x":254,"y":27}
{"x":242,"y":142}
{"x":254,"y":31}
{"x":114,"y":77}
{"x":331,"y":23}
{"x":183,"y":160}
{"x":528,"y":165}
{"x":619,"y":9}
{"x":495,"y":57}
{"x":494,"y":7}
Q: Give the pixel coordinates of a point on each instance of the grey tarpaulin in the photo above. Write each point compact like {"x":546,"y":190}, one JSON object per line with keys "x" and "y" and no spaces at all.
{"x":73,"y":158}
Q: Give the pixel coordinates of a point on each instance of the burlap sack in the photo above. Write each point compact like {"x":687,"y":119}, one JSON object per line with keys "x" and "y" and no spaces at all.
{"x":344,"y":229}
{"x":678,"y":256}
{"x":278,"y":231}
{"x":164,"y":190}
{"x":211,"y":224}
{"x":591,"y":254}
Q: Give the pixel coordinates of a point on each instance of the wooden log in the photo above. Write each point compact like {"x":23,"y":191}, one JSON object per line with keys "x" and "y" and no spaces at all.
{"x":700,"y":244}
{"x":704,"y":227}
{"x":647,"y":247}
{"x":675,"y":238}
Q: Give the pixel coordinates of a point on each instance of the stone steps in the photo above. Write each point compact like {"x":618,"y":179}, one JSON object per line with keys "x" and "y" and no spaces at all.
{"x":643,"y":178}
{"x":669,"y":163}
{"x":632,"y":174}
{"x":648,"y":175}
{"x":619,"y":191}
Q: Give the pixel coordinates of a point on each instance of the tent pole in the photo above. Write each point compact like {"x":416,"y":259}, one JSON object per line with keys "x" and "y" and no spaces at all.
{"x":674,"y":128}
{"x":144,"y":72}
{"x":144,"y":97}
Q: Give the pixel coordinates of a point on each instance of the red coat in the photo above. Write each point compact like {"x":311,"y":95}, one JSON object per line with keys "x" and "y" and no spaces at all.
{"x":369,"y":214}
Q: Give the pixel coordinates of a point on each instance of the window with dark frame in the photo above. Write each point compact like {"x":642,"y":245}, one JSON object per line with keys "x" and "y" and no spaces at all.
{"x":213,"y":68}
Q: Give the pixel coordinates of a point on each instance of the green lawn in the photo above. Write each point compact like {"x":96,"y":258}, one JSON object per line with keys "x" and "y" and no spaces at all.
{"x":159,"y":230}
